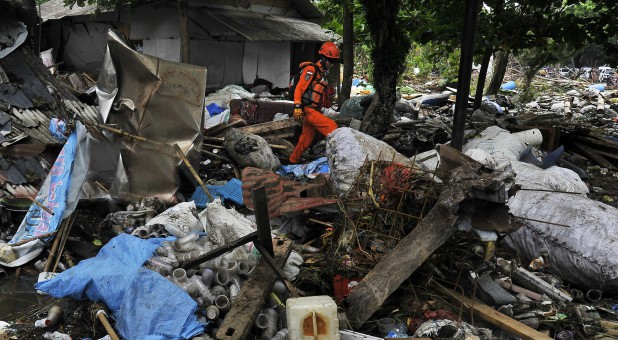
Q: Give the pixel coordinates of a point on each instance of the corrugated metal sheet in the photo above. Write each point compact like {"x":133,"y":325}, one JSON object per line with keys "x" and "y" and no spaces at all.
{"x":55,"y":9}
{"x":263,"y":27}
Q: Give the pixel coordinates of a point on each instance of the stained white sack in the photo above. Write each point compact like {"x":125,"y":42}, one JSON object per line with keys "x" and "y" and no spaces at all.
{"x":347,"y":149}
{"x":530,"y":176}
{"x":499,"y":143}
{"x":585,"y":253}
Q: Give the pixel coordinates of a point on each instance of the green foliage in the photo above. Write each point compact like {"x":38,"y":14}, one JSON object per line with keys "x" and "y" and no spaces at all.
{"x":432,"y":59}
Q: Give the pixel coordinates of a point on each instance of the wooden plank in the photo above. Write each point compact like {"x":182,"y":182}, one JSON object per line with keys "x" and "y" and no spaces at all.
{"x":219,"y":129}
{"x":594,"y":156}
{"x":261,"y":128}
{"x":247,"y":305}
{"x":604,"y":142}
{"x":401,"y":262}
{"x":494,"y":317}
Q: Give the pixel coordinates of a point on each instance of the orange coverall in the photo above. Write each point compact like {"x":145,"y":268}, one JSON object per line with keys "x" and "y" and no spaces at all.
{"x":309,"y":93}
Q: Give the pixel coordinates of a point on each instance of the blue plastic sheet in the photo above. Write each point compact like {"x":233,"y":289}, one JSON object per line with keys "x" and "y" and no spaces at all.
{"x":144,"y":304}
{"x":231,"y":191}
{"x":318,"y":166}
{"x":58,"y":128}
{"x":53,"y":195}
{"x":214,"y":109}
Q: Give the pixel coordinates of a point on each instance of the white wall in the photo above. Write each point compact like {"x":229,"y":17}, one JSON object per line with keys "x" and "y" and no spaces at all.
{"x":268,"y":60}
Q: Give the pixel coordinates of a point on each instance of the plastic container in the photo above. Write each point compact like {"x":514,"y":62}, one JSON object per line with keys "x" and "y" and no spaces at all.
{"x":508,"y":86}
{"x":312,"y":314}
{"x":599,"y":87}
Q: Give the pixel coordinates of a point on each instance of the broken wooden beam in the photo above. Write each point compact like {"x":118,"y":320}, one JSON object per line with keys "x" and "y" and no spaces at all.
{"x":400,"y":263}
{"x":594,"y":156}
{"x":247,"y":305}
{"x":494,"y":317}
{"x":268,"y":127}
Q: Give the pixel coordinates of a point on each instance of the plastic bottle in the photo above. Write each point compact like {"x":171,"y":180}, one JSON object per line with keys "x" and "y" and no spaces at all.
{"x":400,"y":330}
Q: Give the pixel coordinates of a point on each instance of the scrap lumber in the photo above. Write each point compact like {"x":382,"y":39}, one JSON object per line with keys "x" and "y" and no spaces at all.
{"x":246,"y":307}
{"x":464,"y":174}
{"x":268,"y":127}
{"x":594,"y":156}
{"x":494,"y":317}
{"x":400,"y":263}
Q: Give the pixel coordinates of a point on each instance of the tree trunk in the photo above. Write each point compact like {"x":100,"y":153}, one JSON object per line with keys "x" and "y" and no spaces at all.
{"x":502,"y":60}
{"x":390,"y":48}
{"x":184,"y":31}
{"x":348,"y":51}
{"x":480,"y":84}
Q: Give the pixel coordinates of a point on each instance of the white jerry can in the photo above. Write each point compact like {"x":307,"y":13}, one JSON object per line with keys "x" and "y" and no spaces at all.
{"x":312,"y":318}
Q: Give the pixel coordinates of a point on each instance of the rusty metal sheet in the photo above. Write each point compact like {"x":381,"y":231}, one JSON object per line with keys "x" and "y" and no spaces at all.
{"x":283,"y":195}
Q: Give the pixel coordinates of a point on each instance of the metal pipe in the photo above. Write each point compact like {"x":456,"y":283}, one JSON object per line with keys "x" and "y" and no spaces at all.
{"x":577,"y":294}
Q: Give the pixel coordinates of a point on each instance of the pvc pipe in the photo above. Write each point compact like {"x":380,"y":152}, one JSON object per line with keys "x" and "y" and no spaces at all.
{"x":222,"y":277}
{"x":186,"y":243}
{"x":223,"y":303}
{"x":53,"y":316}
{"x":179,"y":275}
{"x":166,"y":250}
{"x":160,"y":267}
{"x":190,"y":256}
{"x":219,"y":290}
{"x":142,"y":233}
{"x":232,"y":267}
{"x":282,"y":334}
{"x":594,"y":294}
{"x":244,"y":268}
{"x":155,"y":228}
{"x":212,"y":312}
{"x":234,"y":291}
{"x":153,"y":235}
{"x":252,"y":259}
{"x":207,"y":276}
{"x":280,"y":289}
{"x":164,"y":259}
{"x":577,"y":294}
{"x":202,"y":290}
{"x":271,"y":323}
{"x":2,"y":273}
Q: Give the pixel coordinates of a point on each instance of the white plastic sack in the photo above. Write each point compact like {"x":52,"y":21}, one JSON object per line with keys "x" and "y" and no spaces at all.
{"x":499,"y":143}
{"x":530,"y":176}
{"x":347,"y":149}
{"x":585,"y":253}
{"x":225,"y":225}
{"x":178,"y":220}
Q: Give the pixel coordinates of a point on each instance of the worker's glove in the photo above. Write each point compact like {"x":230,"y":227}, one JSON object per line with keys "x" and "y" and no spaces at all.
{"x":298,"y":113}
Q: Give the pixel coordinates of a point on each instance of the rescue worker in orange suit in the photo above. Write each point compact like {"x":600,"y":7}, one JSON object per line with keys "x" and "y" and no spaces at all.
{"x":309,"y":98}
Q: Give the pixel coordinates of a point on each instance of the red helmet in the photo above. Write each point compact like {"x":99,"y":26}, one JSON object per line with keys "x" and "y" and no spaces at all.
{"x":329,"y":50}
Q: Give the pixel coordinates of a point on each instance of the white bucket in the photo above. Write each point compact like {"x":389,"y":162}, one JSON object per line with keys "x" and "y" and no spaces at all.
{"x":47,"y":57}
{"x":312,"y":314}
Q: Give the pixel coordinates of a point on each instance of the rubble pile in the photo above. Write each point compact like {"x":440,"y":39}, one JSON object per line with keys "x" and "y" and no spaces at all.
{"x":128,"y":221}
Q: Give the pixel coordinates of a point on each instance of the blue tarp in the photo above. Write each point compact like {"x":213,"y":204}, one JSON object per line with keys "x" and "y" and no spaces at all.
{"x":231,"y":191}
{"x":144,"y":304}
{"x":53,"y":195}
{"x":214,"y":109}
{"x":318,"y":166}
